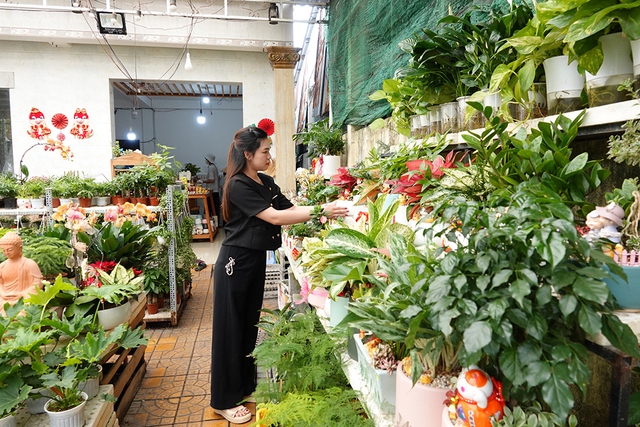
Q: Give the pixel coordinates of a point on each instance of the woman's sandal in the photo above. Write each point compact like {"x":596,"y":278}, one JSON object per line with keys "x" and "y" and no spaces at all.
{"x":235,"y":415}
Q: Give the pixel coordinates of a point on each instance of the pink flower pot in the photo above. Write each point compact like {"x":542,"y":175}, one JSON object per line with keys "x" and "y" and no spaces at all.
{"x":417,"y":406}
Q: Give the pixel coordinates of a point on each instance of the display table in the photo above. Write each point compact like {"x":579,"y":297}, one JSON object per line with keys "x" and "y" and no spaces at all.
{"x":97,"y":413}
{"x":124,"y":369}
{"x":207,"y":215}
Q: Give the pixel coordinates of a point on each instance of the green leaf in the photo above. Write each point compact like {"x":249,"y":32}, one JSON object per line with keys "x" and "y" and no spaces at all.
{"x":557,"y":395}
{"x":620,"y":335}
{"x":350,"y":242}
{"x":501,"y":277}
{"x":537,"y":373}
{"x":589,"y":320}
{"x":477,"y":336}
{"x":591,"y":290}
{"x":519,"y":289}
{"x":634,"y":409}
{"x":377,"y":96}
{"x":12,"y":394}
{"x":511,"y":367}
{"x":537,"y":326}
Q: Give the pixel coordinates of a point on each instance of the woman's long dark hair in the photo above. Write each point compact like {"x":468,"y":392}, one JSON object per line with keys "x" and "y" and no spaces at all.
{"x":246,"y":139}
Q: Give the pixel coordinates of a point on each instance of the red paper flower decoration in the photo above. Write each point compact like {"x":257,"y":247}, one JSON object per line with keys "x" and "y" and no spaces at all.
{"x":61,"y":137}
{"x":59,"y":121}
{"x":267,"y":125}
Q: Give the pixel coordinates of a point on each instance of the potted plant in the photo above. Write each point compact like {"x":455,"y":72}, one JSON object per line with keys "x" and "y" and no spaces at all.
{"x":193,"y":169}
{"x":66,"y":407}
{"x":474,"y":296}
{"x":110,"y":300}
{"x":13,"y":393}
{"x":156,"y":285}
{"x":102,"y":191}
{"x":33,"y":189}
{"x":8,"y":189}
{"x":324,"y":141}
{"x":86,"y":191}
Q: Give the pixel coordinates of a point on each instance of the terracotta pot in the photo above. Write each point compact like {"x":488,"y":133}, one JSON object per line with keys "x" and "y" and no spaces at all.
{"x":142,"y":200}
{"x":154,"y":201}
{"x":85,"y":202}
{"x":55,"y":202}
{"x":152,"y":307}
{"x":121,"y":200}
{"x":160,"y":301}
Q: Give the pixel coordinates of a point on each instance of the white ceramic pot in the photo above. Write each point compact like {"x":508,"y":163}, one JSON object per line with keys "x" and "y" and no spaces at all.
{"x":101,"y":201}
{"x":330,"y":165}
{"x":617,"y":66}
{"x":36,"y":405}
{"x":564,"y":84}
{"x":112,"y":317}
{"x":65,"y":201}
{"x":8,"y":421}
{"x":419,"y":405}
{"x":73,"y":417}
{"x":37,"y":203}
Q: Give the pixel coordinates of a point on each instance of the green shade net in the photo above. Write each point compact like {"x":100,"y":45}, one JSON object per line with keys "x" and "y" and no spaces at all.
{"x":363,"y":37}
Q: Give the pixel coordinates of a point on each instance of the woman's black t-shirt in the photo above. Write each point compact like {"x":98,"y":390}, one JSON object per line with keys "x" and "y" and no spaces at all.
{"x":248,"y":198}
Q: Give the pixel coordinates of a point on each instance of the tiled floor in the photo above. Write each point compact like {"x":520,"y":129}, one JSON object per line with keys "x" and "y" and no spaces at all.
{"x":175,"y":390}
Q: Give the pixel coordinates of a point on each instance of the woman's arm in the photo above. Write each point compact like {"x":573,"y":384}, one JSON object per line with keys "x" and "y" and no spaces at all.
{"x":297,"y":214}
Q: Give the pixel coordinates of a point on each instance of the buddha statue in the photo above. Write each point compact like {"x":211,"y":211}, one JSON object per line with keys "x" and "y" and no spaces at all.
{"x":19,"y":276}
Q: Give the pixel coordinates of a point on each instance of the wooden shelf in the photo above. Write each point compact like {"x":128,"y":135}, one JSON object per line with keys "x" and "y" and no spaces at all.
{"x":131,"y":159}
{"x":124,"y":369}
{"x":206,"y":197}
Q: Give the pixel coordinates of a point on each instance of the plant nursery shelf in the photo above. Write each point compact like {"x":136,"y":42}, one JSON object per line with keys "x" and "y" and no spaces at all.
{"x":599,"y":121}
{"x":97,"y":413}
{"x":125,"y":368}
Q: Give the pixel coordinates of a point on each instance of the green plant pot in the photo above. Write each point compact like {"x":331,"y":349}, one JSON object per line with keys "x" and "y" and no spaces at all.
{"x":626,"y":293}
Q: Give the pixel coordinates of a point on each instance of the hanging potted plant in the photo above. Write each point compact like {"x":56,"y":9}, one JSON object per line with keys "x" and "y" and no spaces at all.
{"x":324,"y":142}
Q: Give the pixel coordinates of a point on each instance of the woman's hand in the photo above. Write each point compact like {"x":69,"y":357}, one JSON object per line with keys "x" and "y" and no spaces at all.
{"x":332,"y":210}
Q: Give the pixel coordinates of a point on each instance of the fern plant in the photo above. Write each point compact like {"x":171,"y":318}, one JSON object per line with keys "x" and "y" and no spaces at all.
{"x":310,"y":388}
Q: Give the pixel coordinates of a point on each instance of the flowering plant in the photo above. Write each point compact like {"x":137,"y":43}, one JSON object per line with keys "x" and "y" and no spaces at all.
{"x":344,"y":181}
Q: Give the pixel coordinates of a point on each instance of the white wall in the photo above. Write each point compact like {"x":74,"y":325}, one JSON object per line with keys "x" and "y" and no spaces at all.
{"x":61,"y":79}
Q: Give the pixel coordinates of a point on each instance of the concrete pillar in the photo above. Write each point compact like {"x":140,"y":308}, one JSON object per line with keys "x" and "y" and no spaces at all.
{"x":283,"y":60}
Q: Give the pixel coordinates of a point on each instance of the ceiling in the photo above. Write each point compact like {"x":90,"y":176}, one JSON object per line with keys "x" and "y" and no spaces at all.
{"x":179,"y":89}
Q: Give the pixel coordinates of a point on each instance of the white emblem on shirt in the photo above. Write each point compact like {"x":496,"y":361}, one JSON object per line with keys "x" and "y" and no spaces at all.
{"x":229,"y":267}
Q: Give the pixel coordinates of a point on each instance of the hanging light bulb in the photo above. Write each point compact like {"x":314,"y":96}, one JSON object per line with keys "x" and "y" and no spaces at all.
{"x":131,"y":136}
{"x":173,"y":6}
{"x":134,"y":114}
{"x":138,"y":15}
{"x":187,"y":63}
{"x":114,"y":19}
{"x":201,"y":118}
{"x":205,"y":99}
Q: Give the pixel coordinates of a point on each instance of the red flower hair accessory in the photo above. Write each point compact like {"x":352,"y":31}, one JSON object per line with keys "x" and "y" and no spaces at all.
{"x":267,"y":125}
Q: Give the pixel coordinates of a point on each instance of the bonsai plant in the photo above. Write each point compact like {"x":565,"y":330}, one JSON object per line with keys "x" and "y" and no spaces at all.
{"x":322,"y":138}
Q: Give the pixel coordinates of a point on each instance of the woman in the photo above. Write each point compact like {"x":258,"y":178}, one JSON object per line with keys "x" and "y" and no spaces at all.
{"x":254,"y":209}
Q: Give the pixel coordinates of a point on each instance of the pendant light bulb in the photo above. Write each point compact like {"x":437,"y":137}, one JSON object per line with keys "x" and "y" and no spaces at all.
{"x":173,"y":6}
{"x":131,"y":135}
{"x":205,"y":99}
{"x":114,"y":20}
{"x":187,"y":63}
{"x":201,"y":118}
{"x":138,"y":15}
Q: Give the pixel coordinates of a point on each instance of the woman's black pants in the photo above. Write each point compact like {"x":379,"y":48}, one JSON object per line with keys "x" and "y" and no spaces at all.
{"x":238,"y":291}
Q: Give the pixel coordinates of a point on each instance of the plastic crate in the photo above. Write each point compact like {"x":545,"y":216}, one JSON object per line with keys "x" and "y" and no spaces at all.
{"x":273,"y":276}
